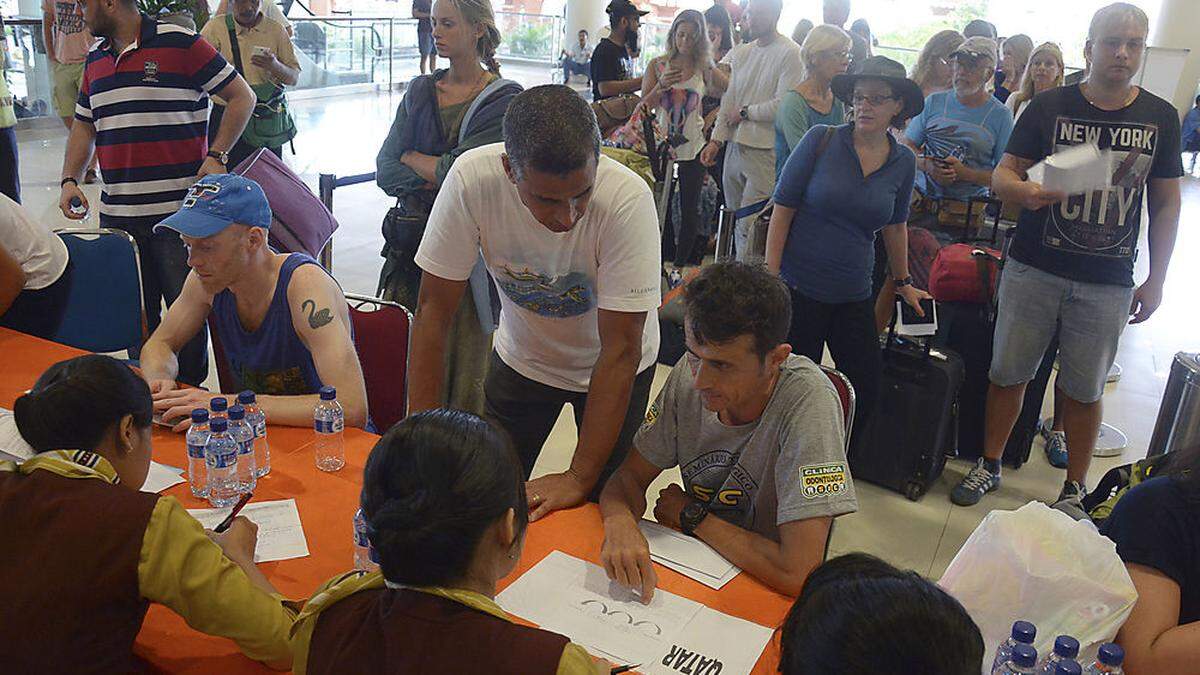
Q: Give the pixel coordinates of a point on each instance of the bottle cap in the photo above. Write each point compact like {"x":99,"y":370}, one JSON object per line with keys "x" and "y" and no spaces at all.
{"x":1024,"y":632}
{"x":237,"y":412}
{"x":1066,"y":646}
{"x":327,"y":393}
{"x":220,"y":425}
{"x":1111,"y":654}
{"x":1024,"y":656}
{"x":246,"y":397}
{"x":199,"y":416}
{"x":218,"y":404}
{"x":1068,"y":667}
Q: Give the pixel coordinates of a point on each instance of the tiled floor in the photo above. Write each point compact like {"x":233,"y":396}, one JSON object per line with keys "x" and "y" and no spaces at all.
{"x":342,"y":135}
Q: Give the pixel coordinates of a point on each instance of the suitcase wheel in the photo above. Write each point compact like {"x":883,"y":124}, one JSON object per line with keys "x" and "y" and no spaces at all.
{"x":914,"y":491}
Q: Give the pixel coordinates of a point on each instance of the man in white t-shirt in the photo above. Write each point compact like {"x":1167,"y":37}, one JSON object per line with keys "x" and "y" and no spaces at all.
{"x":762,"y":72}
{"x":571,"y":239}
{"x":34,"y":273}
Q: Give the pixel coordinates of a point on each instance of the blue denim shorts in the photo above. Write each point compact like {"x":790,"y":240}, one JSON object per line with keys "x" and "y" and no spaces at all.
{"x":1089,"y":318}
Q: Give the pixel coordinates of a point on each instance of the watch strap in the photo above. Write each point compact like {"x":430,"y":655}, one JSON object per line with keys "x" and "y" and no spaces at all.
{"x":906,"y":281}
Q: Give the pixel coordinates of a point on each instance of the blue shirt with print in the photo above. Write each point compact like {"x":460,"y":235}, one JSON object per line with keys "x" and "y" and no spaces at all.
{"x":976,"y":136}
{"x":830,"y":249}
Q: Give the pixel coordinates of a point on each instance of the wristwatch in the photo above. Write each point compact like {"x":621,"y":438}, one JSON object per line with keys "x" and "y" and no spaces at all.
{"x":744,"y":113}
{"x":691,"y":516}
{"x":222,"y":157}
{"x":901,"y":283}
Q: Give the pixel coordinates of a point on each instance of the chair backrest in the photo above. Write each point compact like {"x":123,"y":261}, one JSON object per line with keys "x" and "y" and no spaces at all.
{"x":381,"y":335}
{"x":105,"y":312}
{"x":845,"y":392}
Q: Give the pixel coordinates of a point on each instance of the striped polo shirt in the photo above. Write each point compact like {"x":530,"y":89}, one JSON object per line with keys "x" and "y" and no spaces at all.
{"x":149,"y":105}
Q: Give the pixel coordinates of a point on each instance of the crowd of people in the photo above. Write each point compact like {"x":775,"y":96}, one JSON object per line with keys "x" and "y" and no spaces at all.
{"x":533,"y":263}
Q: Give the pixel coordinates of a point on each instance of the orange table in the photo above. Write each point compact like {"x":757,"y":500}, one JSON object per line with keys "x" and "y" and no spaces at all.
{"x":327,"y":503}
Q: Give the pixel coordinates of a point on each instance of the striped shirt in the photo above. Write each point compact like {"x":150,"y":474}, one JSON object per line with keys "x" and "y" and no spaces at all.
{"x":149,"y":106}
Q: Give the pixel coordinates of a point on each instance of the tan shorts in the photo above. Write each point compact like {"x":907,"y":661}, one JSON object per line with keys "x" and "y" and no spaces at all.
{"x":67,"y":78}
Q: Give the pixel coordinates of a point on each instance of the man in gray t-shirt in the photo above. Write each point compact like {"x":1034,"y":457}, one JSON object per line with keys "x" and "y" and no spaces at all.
{"x":758,"y":435}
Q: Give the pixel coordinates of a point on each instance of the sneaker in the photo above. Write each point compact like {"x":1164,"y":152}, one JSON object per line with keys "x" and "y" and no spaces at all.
{"x":1056,"y":449}
{"x":1046,"y":428}
{"x":978,"y":482}
{"x":1070,"y":499}
{"x":674,"y":278}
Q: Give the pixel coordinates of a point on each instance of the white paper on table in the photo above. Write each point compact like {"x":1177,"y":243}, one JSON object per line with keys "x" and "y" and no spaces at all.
{"x":160,"y":477}
{"x":13,"y":448}
{"x":280,"y":535}
{"x":575,"y":598}
{"x":1075,"y":170}
{"x":687,"y":555}
{"x":711,"y":643}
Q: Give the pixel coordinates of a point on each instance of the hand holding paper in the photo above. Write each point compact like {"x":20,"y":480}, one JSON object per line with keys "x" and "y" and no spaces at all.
{"x":1076,"y":170}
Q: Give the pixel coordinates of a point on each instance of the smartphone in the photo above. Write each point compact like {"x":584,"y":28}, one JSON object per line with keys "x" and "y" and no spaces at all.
{"x":261,"y":51}
{"x":908,"y":323}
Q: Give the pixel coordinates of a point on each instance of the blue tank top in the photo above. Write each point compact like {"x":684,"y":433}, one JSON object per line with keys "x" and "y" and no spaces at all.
{"x":271,"y":360}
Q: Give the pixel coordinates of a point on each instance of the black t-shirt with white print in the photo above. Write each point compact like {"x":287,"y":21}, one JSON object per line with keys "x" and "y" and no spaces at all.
{"x":1093,"y":237}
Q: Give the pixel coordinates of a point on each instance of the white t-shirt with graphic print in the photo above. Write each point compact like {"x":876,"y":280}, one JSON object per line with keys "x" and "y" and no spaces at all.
{"x":551,"y":284}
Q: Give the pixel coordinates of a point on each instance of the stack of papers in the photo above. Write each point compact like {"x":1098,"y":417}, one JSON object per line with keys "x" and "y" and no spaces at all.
{"x":161,"y":477}
{"x":1074,"y":171}
{"x":671,"y":634}
{"x":687,"y":555}
{"x":280,"y":535}
{"x":13,"y":448}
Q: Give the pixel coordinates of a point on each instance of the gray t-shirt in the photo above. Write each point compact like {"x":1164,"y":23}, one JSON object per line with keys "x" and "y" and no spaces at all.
{"x":788,"y":465}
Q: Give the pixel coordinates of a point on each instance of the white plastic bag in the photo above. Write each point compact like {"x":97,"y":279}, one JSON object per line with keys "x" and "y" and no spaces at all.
{"x":1039,"y":565}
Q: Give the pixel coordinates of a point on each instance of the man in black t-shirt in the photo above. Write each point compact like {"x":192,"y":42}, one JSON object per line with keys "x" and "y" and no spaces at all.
{"x":612,"y":65}
{"x":422,"y":11}
{"x":1071,"y":264}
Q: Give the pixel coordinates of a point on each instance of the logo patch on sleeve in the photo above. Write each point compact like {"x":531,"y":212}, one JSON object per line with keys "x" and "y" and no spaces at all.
{"x":651,"y":416}
{"x":823,"y":480}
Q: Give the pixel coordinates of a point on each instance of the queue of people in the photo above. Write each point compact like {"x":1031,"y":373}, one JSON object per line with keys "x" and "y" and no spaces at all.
{"x":506,"y":189}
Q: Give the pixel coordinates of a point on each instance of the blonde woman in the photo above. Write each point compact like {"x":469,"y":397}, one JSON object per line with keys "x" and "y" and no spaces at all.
{"x":932,"y":72}
{"x":825,"y":54}
{"x":1045,"y":71}
{"x":675,"y":83}
{"x":1014,"y":56}
{"x":430,"y":131}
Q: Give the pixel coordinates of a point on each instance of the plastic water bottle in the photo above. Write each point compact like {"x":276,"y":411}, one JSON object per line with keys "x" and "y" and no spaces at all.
{"x":1022,"y":662}
{"x":1066,"y":648}
{"x":1067,"y":667}
{"x":219,"y":407}
{"x":197,"y":438}
{"x":1108,"y":661}
{"x":328,"y":421}
{"x":243,"y":435}
{"x":365,"y":558}
{"x":77,"y":207}
{"x":257,"y":419}
{"x":1023,"y":633}
{"x":221,"y":455}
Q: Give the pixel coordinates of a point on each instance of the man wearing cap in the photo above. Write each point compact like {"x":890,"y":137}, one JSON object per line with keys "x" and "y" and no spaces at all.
{"x":612,"y":60}
{"x":960,"y":136}
{"x":762,"y":71}
{"x":281,"y":320}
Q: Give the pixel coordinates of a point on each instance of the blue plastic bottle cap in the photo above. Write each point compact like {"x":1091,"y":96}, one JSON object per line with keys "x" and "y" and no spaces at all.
{"x":1068,"y":667}
{"x":237,"y":412}
{"x":1111,"y":654}
{"x":1024,"y":632}
{"x":76,"y":202}
{"x":1066,"y":646}
{"x":1024,"y":656}
{"x":220,"y":425}
{"x":327,"y":393}
{"x":246,"y":397}
{"x":219,"y":404}
{"x":199,"y":416}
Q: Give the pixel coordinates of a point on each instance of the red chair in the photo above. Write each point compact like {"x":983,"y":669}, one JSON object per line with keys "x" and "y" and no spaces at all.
{"x":381,"y":337}
{"x":845,"y":392}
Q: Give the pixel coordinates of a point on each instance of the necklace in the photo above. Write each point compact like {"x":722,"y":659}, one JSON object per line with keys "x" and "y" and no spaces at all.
{"x":1133,"y":92}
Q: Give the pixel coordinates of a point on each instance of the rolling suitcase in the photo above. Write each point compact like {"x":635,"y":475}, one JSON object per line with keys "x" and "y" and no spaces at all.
{"x":914,"y":424}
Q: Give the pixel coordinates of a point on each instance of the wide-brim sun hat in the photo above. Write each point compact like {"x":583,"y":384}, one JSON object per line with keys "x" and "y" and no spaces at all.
{"x":885,"y":70}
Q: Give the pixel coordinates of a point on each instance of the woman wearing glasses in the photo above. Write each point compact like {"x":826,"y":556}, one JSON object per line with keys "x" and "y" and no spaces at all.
{"x":825,"y":54}
{"x":932,"y":72}
{"x":840,"y":186}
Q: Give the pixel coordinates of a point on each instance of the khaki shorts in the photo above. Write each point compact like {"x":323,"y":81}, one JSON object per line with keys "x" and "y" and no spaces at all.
{"x":67,"y":78}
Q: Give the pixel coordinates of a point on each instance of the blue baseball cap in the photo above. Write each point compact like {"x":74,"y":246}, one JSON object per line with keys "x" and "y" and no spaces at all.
{"x":217,"y":201}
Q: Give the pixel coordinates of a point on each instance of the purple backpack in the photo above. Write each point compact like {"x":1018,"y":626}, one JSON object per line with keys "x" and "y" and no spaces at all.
{"x":300,"y":223}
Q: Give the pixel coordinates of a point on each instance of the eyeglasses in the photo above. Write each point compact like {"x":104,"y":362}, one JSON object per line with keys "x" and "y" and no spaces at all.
{"x":859,"y":99}
{"x":840,"y":55}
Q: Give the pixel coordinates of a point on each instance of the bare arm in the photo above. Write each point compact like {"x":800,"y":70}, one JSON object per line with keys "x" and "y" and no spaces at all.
{"x":651,"y":94}
{"x":1164,"y":202}
{"x":783,"y":565}
{"x":12,"y":280}
{"x":239,"y":103}
{"x":424,"y":165}
{"x":895,"y":240}
{"x":48,"y":34}
{"x":436,"y":306}
{"x":718,"y":81}
{"x":1154,"y":642}
{"x":615,"y":87}
{"x":280,"y":72}
{"x":80,"y":143}
{"x":183,"y":320}
{"x":625,"y":553}
{"x":777,"y":234}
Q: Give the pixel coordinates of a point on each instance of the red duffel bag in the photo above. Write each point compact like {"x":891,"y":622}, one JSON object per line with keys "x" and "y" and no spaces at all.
{"x":965,"y":273}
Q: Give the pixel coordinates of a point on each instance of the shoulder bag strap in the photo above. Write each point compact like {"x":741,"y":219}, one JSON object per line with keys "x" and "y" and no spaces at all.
{"x":233,"y":45}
